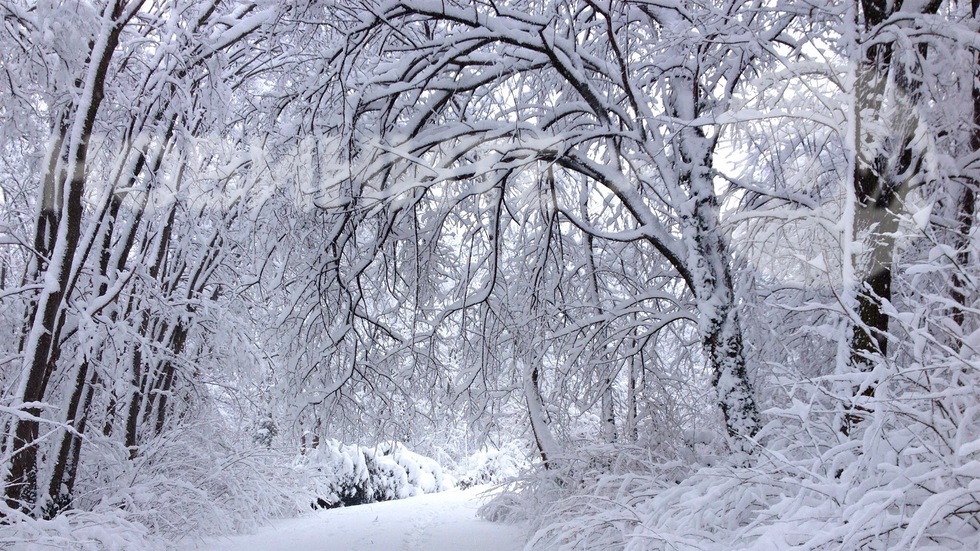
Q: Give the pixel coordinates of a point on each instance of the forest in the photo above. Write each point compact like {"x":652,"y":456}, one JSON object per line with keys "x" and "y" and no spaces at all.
{"x":703,"y":274}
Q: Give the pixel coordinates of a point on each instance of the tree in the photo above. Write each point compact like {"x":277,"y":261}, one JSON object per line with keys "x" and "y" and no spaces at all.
{"x":103,"y":167}
{"x":57,"y":238}
{"x":892,"y":143}
{"x":621,"y":102}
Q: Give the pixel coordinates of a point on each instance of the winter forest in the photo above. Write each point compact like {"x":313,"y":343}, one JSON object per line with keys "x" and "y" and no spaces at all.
{"x":679,"y":274}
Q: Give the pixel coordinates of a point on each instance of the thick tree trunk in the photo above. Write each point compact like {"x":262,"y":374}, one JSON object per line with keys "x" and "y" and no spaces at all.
{"x":721,"y":330}
{"x":884,"y":169}
{"x":709,"y":258}
{"x":723,"y":342}
{"x":876,"y":211}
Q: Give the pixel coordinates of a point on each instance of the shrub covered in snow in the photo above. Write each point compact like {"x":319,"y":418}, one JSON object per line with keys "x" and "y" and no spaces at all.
{"x":492,"y":466}
{"x":348,"y":474}
{"x":424,"y":474}
{"x":188,"y":482}
{"x":193,"y":480}
{"x":906,"y":478}
{"x":104,"y":529}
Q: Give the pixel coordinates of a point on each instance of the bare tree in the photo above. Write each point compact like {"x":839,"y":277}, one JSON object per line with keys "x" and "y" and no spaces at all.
{"x":103,"y":166}
{"x":621,"y":102}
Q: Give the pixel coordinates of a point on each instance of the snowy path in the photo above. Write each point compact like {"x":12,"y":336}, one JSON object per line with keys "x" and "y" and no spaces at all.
{"x":436,"y":522}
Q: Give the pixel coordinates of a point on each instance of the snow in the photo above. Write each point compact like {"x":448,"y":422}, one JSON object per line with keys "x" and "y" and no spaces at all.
{"x":433,"y":522}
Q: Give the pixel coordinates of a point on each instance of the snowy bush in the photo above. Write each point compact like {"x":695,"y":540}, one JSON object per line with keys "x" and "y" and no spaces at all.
{"x":423,"y":474}
{"x":492,"y":466}
{"x":339,"y":474}
{"x":104,"y":529}
{"x":347,"y":474}
{"x":191,"y":481}
{"x":906,"y":479}
{"x":186,"y":483}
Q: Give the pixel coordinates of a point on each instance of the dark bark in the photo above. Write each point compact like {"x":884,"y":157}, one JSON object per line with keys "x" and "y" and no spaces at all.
{"x":539,"y":438}
{"x":62,"y":482}
{"x":967,"y":207}
{"x":21,"y":485}
{"x":136,"y":394}
{"x":632,"y":411}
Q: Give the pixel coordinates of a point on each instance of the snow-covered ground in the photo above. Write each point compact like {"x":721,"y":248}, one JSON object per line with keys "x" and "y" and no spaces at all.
{"x":443,"y":521}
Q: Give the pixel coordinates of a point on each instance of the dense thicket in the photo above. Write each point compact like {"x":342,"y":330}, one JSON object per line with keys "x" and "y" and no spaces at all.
{"x":713,"y":261}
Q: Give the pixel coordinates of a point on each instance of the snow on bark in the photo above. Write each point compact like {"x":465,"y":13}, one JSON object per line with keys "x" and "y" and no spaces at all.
{"x":718,"y":320}
{"x":42,"y":347}
{"x":710,"y":271}
{"x":547,"y":445}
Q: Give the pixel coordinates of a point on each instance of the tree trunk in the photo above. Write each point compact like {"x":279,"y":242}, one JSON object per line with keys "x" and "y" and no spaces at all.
{"x":631,"y":425}
{"x":876,"y":210}
{"x":545,"y":441}
{"x":41,"y":348}
{"x":709,"y":258}
{"x":967,"y":208}
{"x":62,"y":482}
{"x":721,"y":330}
{"x":884,"y":169}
